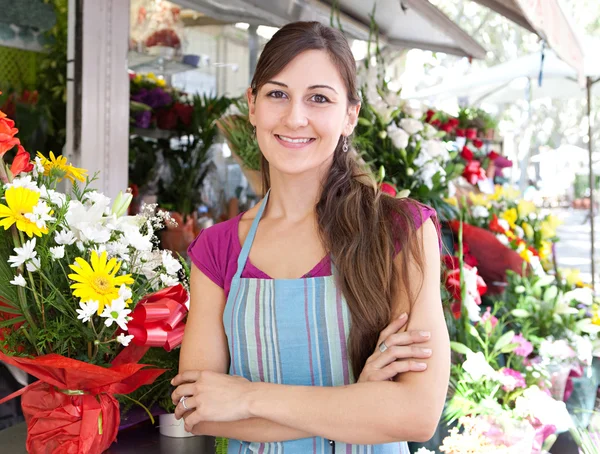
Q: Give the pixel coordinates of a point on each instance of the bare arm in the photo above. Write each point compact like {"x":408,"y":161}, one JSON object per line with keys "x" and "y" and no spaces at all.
{"x":375,"y":412}
{"x":205,"y":347}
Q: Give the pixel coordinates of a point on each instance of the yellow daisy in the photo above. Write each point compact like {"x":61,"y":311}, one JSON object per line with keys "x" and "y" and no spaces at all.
{"x":58,"y":167}
{"x":510,"y":216}
{"x":19,"y":202}
{"x":98,"y":282}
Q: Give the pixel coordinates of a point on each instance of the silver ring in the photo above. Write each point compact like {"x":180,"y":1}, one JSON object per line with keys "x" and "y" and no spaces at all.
{"x":182,"y":402}
{"x":382,"y":347}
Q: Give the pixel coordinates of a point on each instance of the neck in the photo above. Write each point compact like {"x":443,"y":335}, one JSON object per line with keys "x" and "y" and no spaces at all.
{"x":294,"y":197}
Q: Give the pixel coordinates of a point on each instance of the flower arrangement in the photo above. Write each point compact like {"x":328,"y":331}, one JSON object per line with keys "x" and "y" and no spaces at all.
{"x":76,"y":277}
{"x":390,"y":134}
{"x":153,"y":104}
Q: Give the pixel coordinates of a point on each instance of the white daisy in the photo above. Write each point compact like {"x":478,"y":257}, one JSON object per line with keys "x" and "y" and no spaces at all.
{"x":33,"y":264}
{"x":25,"y":253}
{"x":168,"y":281}
{"x":19,"y":280}
{"x":125,"y":293}
{"x":64,"y":237}
{"x":57,"y":252}
{"x":124,"y":340}
{"x":172,"y":265}
{"x":116,"y":311}
{"x":87,"y":310}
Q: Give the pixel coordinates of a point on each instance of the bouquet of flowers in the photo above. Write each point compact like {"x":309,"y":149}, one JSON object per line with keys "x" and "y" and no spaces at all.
{"x":76,"y":274}
{"x":390,"y":134}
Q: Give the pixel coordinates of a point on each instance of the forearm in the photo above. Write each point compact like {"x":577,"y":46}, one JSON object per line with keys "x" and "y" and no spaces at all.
{"x":363,"y":413}
{"x":253,"y":429}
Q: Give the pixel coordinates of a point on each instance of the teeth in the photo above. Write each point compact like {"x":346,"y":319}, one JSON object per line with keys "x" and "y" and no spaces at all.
{"x":287,"y":139}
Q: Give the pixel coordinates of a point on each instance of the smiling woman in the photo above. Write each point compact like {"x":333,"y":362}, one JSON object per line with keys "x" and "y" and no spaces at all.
{"x":348,"y":355}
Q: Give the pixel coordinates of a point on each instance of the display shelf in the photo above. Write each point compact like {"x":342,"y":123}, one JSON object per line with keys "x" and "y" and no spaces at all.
{"x":145,"y":63}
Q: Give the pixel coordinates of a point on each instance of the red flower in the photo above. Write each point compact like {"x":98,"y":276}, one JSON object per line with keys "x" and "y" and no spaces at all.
{"x":466,"y":154}
{"x":452,"y":284}
{"x":471,"y":133}
{"x":493,"y":155}
{"x":446,"y":127}
{"x":460,"y":132}
{"x":21,"y":163}
{"x":473,"y":172}
{"x":429,"y":115}
{"x":184,"y":113}
{"x":454,"y":122}
{"x":166,"y":119}
{"x":389,"y":189}
{"x":478,"y":143}
{"x":534,"y":251}
{"x":436,"y":123}
{"x":7,"y":135}
{"x":495,"y":225}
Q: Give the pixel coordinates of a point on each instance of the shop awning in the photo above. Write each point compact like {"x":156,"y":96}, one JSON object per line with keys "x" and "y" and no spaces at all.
{"x":549,"y":22}
{"x":402,"y":23}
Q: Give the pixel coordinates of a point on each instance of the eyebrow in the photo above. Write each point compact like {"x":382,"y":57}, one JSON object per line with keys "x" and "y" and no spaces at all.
{"x":281,"y":84}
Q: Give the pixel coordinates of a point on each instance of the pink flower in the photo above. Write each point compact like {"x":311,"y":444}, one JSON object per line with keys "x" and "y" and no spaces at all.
{"x":488,"y":315}
{"x":525,"y":348}
{"x":512,"y":379}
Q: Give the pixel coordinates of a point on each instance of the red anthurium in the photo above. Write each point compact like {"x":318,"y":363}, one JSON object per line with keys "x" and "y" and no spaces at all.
{"x":460,"y":132}
{"x":446,"y":127}
{"x":471,"y":133}
{"x":467,"y":154}
{"x":473,"y":172}
{"x":21,"y":163}
{"x":389,"y":189}
{"x":495,"y":225}
{"x":493,"y":155}
{"x":454,"y":122}
{"x":478,"y":143}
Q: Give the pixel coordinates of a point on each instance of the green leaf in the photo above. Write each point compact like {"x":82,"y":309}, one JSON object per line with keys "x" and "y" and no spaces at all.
{"x":460,"y":348}
{"x":550,"y":293}
{"x":520,"y":313}
{"x":504,"y":340}
{"x":12,"y":321}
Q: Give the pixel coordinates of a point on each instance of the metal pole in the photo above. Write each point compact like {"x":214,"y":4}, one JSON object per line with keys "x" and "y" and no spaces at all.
{"x":252,"y":51}
{"x":591,"y":171}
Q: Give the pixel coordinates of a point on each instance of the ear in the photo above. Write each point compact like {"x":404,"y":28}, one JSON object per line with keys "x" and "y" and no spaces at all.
{"x":351,"y":119}
{"x":251,"y":105}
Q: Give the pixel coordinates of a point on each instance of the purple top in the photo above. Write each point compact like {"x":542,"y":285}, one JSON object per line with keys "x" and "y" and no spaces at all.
{"x":216,"y":249}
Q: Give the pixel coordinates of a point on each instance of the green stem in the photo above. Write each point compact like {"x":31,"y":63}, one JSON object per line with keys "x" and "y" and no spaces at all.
{"x":141,"y":405}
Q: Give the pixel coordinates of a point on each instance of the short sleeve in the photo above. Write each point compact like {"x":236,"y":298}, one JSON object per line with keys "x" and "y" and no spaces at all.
{"x":420,"y":213}
{"x":203,"y":253}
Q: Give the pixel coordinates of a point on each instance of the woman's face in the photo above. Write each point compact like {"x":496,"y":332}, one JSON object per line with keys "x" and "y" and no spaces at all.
{"x":301,"y":113}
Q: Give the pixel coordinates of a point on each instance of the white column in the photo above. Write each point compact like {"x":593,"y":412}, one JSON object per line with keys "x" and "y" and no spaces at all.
{"x":98,"y":91}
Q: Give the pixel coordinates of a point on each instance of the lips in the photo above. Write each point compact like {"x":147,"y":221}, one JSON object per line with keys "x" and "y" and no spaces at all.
{"x":294,"y":142}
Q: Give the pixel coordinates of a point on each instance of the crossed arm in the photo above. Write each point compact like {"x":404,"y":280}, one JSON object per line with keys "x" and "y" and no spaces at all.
{"x":407,"y":409}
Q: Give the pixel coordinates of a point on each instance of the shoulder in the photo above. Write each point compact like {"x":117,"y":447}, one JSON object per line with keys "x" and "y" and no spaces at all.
{"x":418,"y":212}
{"x":211,"y":249}
{"x":419,"y":215}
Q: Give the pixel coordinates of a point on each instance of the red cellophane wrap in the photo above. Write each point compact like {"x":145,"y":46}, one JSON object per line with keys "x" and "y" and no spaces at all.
{"x":72,"y":410}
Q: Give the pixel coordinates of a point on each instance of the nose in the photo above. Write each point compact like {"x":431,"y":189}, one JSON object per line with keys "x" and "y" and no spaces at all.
{"x":295,"y":117}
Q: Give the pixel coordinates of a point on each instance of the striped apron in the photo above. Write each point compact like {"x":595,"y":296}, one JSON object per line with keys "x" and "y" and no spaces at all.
{"x":290,"y":332}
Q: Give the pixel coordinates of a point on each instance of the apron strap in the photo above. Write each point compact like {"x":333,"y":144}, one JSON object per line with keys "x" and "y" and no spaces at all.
{"x":250,"y":238}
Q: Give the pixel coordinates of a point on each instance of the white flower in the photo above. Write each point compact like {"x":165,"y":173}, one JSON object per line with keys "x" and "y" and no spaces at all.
{"x":172,"y":265}
{"x":398,"y":136}
{"x":95,"y":233}
{"x":537,"y":404}
{"x":33,"y":264}
{"x":503,"y":239}
{"x":97,"y":198}
{"x":556,"y":350}
{"x":136,"y":239}
{"x":428,"y":171}
{"x":519,"y":231}
{"x":584,"y":348}
{"x":424,"y":451}
{"x":116,"y":311}
{"x":19,"y":280}
{"x":168,"y":281}
{"x":382,"y":109}
{"x":118,"y":248}
{"x":80,"y":217}
{"x":413,"y":109}
{"x":581,"y":295}
{"x":52,"y":196}
{"x":38,"y":167}
{"x":436,"y":149}
{"x":411,"y":126}
{"x":477,"y":367}
{"x":124,"y":340}
{"x":40,"y":215}
{"x":429,"y":132}
{"x":87,"y":310}
{"x":470,"y":279}
{"x":125,"y":292}
{"x":480,"y":212}
{"x":504,"y":224}
{"x":25,"y":253}
{"x":23,"y":181}
{"x":57,"y":252}
{"x":64,"y":237}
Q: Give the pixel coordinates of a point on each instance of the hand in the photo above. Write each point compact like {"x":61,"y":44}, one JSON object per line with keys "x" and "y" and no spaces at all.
{"x":385,"y":366}
{"x":210,"y":396}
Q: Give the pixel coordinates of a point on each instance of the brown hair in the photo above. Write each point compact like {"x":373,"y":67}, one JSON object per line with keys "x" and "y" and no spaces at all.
{"x":358,"y":225}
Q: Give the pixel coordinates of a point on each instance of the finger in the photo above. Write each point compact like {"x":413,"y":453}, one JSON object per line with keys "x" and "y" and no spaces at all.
{"x":190,"y":420}
{"x":396,"y":352}
{"x":186,"y":389}
{"x":180,"y":409}
{"x":187,"y":376}
{"x":393,"y":327}
{"x":397,"y":367}
{"x":407,"y":338}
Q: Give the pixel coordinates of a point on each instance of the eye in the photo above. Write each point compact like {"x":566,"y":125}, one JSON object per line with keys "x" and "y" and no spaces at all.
{"x":319,"y":99}
{"x":277,"y":94}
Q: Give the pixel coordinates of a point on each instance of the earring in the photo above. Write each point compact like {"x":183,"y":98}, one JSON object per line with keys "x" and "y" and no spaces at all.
{"x":345,"y":146}
{"x":254,"y":130}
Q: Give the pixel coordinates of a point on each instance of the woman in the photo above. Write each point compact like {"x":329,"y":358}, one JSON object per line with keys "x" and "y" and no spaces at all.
{"x":341,"y":355}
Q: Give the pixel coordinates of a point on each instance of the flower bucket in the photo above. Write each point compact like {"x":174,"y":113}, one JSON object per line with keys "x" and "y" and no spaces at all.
{"x":171,"y":427}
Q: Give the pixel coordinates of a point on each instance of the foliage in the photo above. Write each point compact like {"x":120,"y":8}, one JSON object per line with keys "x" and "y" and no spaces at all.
{"x":239,"y":134}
